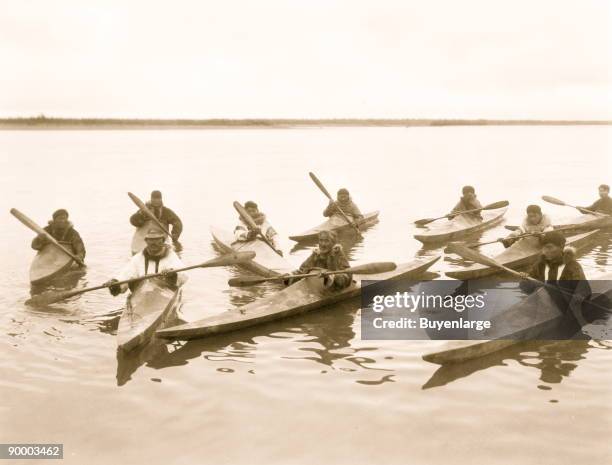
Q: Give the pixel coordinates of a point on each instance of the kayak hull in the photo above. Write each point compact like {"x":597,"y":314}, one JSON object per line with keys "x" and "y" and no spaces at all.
{"x":461,"y":226}
{"x":148,"y":308}
{"x":521,"y":254}
{"x":337,"y":224}
{"x":266,"y":263}
{"x":49,"y":263}
{"x":533,"y":318}
{"x":304,"y":296}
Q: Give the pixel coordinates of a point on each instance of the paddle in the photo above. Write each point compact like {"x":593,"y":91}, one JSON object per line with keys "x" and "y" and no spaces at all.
{"x":477,"y":257}
{"x":327,"y":194}
{"x":561,"y":203}
{"x":37,"y":229}
{"x":368,"y":268}
{"x":251,"y":224}
{"x":512,"y":228}
{"x":140,"y":204}
{"x":51,"y":297}
{"x":491,"y":206}
{"x":520,"y":236}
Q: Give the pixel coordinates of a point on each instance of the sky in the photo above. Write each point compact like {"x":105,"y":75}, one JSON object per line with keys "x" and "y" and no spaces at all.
{"x":534,"y":59}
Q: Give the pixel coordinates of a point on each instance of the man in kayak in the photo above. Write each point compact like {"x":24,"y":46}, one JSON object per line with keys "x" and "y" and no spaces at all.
{"x":157,"y":257}
{"x":244,"y":233}
{"x":534,"y":222}
{"x":604,"y":203}
{"x":559,"y":268}
{"x":63,"y":232}
{"x":345,"y":203}
{"x":165,"y":216}
{"x":328,"y":256}
{"x":467,"y":202}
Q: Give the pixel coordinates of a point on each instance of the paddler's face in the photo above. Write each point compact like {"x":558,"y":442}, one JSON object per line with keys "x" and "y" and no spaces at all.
{"x":61,"y":222}
{"x":343,"y":197}
{"x":252,"y":211}
{"x":155,"y":246}
{"x":325,"y":244}
{"x":156,"y":202}
{"x":469,"y":196}
{"x":603,"y":193}
{"x":551,"y":252}
{"x":534,"y":218}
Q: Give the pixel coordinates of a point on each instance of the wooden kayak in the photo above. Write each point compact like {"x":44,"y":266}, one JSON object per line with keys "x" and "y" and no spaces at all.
{"x":337,"y":224}
{"x":460,"y":226}
{"x":266,"y":262}
{"x":150,"y":306}
{"x":534,"y":317}
{"x":582,"y":222}
{"x":49,"y":263}
{"x":304,"y":296}
{"x":523,"y":253}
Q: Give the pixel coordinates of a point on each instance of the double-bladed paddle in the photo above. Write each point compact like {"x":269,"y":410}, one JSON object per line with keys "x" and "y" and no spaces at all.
{"x":251,"y":224}
{"x":561,"y":203}
{"x":520,"y":236}
{"x":328,"y":195}
{"x":38,"y":230}
{"x":491,"y":206}
{"x":51,"y":297}
{"x":143,"y":208}
{"x":368,"y":268}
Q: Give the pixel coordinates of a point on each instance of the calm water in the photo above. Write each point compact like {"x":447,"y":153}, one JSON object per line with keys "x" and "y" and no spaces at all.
{"x":304,"y":390}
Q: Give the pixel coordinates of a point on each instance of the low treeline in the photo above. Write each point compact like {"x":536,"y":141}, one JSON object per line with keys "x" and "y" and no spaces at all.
{"x":43,"y":122}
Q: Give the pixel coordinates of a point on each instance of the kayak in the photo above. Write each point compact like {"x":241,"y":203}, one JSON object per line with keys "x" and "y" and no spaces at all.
{"x":48,"y":263}
{"x":523,"y":253}
{"x":266,"y":262}
{"x":150,"y":306}
{"x":534,"y":317}
{"x":337,"y":224}
{"x":460,"y":226}
{"x":138,"y":240}
{"x":580,"y":223}
{"x":304,"y":296}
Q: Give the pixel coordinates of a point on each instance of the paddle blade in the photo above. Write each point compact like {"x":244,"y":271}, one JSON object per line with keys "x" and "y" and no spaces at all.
{"x":553,"y":200}
{"x":373,"y":268}
{"x":247,"y":281}
{"x":424,"y":221}
{"x":496,"y":205}
{"x":320,"y":185}
{"x":26,"y":221}
{"x":471,"y":254}
{"x":244,"y":215}
{"x":233,"y":258}
{"x":48,"y":298}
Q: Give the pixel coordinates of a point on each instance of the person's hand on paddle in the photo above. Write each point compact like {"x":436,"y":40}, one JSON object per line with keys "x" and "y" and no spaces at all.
{"x":252,"y":234}
{"x":114,"y":289}
{"x":328,"y":280}
{"x":169,"y":276}
{"x":524,"y":275}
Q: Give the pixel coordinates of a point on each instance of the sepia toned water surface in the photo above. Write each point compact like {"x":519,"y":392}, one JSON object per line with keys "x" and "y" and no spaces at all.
{"x":308,"y":389}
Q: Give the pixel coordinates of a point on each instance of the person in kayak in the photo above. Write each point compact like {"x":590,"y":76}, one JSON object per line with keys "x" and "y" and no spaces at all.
{"x":327,"y":256}
{"x":165,"y":216}
{"x":157,"y":257}
{"x":468,"y":201}
{"x":345,"y":203}
{"x":243,"y":233}
{"x":63,"y":232}
{"x":534,"y":222}
{"x":603,"y":204}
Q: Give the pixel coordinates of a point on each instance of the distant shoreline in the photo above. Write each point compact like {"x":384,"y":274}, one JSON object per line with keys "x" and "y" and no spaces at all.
{"x":47,"y":123}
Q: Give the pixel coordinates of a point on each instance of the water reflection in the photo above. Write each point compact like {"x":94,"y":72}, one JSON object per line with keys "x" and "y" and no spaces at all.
{"x":556,"y":360}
